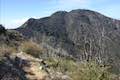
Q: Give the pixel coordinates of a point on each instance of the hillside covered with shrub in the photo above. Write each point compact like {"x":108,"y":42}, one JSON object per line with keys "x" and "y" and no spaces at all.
{"x":76,"y":45}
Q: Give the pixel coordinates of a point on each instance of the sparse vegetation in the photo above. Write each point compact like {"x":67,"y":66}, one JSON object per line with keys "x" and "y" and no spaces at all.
{"x":81,"y":70}
{"x":61,"y":64}
{"x":91,"y":71}
{"x":84,"y":70}
{"x":4,"y":49}
{"x":31,"y":48}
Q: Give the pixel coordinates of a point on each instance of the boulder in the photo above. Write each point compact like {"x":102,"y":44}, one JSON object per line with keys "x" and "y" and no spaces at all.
{"x":2,"y":29}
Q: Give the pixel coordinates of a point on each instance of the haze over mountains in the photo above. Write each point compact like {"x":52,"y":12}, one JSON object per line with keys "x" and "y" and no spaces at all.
{"x":79,"y":34}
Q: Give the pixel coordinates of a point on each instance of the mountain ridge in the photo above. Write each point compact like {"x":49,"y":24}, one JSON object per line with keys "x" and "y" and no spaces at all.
{"x":82,"y":34}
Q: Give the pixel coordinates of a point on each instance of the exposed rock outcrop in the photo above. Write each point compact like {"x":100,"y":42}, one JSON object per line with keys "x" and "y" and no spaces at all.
{"x":10,"y":37}
{"x":2,"y":29}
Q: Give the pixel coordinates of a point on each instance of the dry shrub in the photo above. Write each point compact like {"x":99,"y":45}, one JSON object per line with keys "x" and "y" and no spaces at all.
{"x":81,"y":70}
{"x":31,"y":48}
{"x":4,"y":49}
{"x":91,"y":71}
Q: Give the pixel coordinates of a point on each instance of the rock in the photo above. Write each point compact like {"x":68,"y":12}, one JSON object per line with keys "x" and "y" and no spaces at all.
{"x":2,"y":29}
{"x":10,"y":37}
{"x":9,"y":70}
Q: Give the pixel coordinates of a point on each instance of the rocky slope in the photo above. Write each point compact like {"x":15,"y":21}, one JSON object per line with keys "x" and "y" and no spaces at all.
{"x":18,"y":65}
{"x":8,"y":40}
{"x":10,"y":37}
{"x":81,"y":34}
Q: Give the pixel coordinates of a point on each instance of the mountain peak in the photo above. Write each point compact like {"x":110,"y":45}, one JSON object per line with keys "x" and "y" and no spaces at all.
{"x":31,"y":19}
{"x":60,"y":13}
{"x":81,"y":10}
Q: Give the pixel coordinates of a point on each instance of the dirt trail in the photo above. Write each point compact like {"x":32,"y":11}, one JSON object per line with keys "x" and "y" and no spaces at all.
{"x":34,"y":71}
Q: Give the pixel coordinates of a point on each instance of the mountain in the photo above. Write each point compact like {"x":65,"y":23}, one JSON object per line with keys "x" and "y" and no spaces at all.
{"x":79,"y":34}
{"x":63,"y":46}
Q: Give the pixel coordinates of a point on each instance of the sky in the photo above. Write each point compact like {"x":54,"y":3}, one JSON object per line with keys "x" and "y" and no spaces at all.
{"x":14,"y":13}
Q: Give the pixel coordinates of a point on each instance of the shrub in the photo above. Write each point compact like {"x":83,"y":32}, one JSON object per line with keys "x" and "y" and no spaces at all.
{"x":91,"y":71}
{"x":66,"y":65}
{"x":31,"y":48}
{"x":61,"y":64}
{"x":4,"y":49}
{"x":81,"y":70}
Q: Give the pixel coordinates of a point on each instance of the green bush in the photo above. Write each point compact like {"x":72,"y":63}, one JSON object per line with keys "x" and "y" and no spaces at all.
{"x":91,"y":71}
{"x":81,"y":70}
{"x":60,"y":64}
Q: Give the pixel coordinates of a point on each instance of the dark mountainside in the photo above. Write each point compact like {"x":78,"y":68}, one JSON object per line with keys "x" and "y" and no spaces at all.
{"x":81,"y":34}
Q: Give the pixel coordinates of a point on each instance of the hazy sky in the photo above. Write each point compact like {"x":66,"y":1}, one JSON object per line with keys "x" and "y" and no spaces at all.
{"x":13,"y":13}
